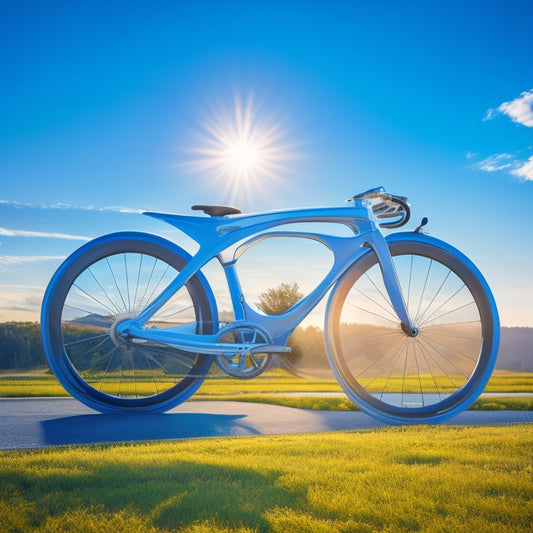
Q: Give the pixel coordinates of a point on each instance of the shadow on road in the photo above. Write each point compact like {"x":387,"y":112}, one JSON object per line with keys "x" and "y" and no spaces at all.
{"x":86,"y":429}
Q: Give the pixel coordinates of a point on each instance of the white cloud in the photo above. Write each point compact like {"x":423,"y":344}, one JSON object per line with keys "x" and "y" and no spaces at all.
{"x":497,"y":162}
{"x":507,"y":163}
{"x":519,"y":110}
{"x":490,"y":114}
{"x":23,"y":233}
{"x":9,"y":260}
{"x":525,"y":171}
{"x":116,"y":209}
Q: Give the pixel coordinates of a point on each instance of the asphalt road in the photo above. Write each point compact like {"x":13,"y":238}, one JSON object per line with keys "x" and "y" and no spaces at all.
{"x":42,"y":422}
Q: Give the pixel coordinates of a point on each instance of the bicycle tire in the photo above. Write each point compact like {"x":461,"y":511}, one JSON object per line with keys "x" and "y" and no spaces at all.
{"x":435,"y":374}
{"x":110,"y":279}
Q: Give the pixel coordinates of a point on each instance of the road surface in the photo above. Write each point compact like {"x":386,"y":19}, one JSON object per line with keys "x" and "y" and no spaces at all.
{"x":42,"y":422}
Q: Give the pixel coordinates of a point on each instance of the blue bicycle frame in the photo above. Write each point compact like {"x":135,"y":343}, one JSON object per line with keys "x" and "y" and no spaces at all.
{"x":228,"y":238}
{"x":421,"y":359}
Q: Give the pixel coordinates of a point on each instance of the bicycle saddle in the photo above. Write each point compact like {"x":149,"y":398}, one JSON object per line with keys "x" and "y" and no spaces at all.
{"x":217,"y":210}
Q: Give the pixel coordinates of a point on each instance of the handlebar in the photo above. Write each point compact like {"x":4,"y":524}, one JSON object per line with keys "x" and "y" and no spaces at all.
{"x":387,"y":206}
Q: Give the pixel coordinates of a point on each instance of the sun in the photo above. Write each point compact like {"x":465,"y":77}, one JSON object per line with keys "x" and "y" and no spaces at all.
{"x":243,"y":156}
{"x":241,"y":151}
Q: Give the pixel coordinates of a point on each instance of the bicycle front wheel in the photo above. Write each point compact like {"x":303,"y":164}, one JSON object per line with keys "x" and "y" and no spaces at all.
{"x":105,"y":282}
{"x":432,"y":373}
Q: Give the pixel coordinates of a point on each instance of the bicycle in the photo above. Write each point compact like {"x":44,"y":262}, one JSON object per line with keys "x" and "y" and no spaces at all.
{"x":130,"y":322}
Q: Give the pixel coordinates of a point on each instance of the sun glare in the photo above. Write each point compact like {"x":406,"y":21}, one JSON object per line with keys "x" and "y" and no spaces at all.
{"x":241,"y":151}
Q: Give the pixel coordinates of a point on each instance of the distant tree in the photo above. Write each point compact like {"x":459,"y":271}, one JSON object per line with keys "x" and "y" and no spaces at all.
{"x":279,"y":299}
{"x":308,"y":355}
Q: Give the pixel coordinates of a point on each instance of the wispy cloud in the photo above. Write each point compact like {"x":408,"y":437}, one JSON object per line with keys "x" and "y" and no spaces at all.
{"x":115,"y":209}
{"x":19,"y":302}
{"x":519,"y":110}
{"x":497,"y":162}
{"x":23,"y":233}
{"x":507,"y":163}
{"x":10,"y":260}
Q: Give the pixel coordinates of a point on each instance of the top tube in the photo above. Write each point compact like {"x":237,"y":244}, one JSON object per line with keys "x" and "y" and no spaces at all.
{"x":358,"y":217}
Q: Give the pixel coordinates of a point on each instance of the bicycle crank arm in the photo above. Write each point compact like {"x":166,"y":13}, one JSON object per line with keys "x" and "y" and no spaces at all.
{"x":207,"y":345}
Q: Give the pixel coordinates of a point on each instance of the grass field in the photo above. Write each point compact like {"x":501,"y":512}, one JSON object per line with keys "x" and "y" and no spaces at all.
{"x":344,"y":404}
{"x":43,"y":383}
{"x":423,"y":478}
{"x":270,"y":388}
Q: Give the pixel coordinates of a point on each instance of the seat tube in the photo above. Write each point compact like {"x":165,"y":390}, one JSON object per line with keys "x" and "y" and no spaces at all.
{"x":390,"y":277}
{"x":235,"y":290}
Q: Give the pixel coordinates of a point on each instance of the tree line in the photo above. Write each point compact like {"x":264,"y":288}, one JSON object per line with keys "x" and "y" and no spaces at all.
{"x":21,"y":346}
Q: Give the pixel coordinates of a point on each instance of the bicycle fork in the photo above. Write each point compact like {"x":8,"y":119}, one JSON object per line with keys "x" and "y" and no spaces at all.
{"x":392,"y":284}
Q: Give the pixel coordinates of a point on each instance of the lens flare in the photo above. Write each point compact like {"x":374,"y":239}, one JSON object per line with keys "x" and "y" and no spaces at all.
{"x":241,"y":151}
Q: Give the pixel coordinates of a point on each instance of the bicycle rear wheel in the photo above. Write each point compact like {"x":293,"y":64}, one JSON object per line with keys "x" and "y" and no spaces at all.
{"x":109,"y":280}
{"x":403,"y":377}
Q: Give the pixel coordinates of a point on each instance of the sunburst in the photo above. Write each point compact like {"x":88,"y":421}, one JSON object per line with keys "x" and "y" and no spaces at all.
{"x":241,"y":151}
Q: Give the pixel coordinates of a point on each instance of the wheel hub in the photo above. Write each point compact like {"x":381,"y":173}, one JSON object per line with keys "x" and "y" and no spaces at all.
{"x":120,"y":332}
{"x":410,"y":332}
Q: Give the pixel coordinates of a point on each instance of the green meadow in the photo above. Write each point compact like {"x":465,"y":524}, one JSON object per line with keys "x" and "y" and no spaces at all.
{"x":43,"y":383}
{"x":274,"y":387}
{"x":417,"y":478}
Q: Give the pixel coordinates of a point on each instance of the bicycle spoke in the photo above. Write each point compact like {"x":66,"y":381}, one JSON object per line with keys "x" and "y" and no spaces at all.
{"x":147,"y":284}
{"x":392,"y":369}
{"x":116,"y":284}
{"x":385,"y":298}
{"x":93,"y":299}
{"x":430,"y":371}
{"x":409,"y":283}
{"x":433,"y":341}
{"x":148,"y":359}
{"x":456,"y":309}
{"x":150,"y":298}
{"x":103,"y":290}
{"x":418,"y":374}
{"x":423,"y":290}
{"x":138,"y":281}
{"x":372,"y":348}
{"x":383,"y":367}
{"x":372,"y":313}
{"x":127,"y":280}
{"x":92,"y":348}
{"x":421,"y":321}
{"x":181,"y":311}
{"x":86,"y":339}
{"x":107,"y":368}
{"x":394,"y":315}
{"x":427,"y":331}
{"x":420,"y":317}
{"x":439,"y":353}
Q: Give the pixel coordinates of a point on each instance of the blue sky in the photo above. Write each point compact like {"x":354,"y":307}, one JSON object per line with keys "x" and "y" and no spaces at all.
{"x":104,"y":108}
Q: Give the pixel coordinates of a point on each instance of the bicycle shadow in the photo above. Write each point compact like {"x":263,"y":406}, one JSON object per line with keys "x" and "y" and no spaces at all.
{"x":135,"y":427}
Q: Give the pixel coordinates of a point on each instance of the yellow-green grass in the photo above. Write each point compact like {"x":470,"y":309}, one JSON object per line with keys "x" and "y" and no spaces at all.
{"x":423,"y":478}
{"x":45,"y":384}
{"x":505,"y":403}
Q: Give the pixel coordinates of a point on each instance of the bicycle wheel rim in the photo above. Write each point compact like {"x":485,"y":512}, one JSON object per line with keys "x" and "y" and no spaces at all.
{"x":433,"y":375}
{"x":107,"y":281}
